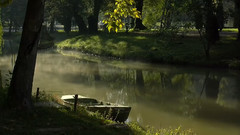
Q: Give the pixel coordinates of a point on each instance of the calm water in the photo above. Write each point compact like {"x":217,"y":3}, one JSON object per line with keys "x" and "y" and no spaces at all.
{"x":205,"y":100}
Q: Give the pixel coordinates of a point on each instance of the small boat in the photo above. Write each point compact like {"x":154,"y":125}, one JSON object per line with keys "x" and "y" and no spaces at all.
{"x":113,"y":111}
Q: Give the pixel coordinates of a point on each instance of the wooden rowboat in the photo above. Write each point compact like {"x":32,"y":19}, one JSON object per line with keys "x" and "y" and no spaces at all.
{"x":113,"y":111}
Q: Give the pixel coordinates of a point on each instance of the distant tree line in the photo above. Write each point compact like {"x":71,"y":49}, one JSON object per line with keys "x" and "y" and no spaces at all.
{"x":157,"y":14}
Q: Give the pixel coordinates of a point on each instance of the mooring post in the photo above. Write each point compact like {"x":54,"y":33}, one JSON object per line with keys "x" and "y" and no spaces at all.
{"x":75,"y":102}
{"x":37,"y":94}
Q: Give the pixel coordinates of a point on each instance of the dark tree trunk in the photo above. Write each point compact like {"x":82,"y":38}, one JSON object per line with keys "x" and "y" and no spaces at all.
{"x":220,"y":15}
{"x":237,"y":16}
{"x":10,"y":27}
{"x":20,"y":91}
{"x":139,"y":25}
{"x":67,"y":24}
{"x":93,"y":20}
{"x":93,"y":24}
{"x":82,"y":28}
{"x":52,"y":26}
{"x":211,"y":26}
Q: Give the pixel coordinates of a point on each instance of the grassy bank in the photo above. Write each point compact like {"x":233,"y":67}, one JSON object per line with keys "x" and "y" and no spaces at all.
{"x":61,"y":121}
{"x":51,"y":120}
{"x":153,"y":48}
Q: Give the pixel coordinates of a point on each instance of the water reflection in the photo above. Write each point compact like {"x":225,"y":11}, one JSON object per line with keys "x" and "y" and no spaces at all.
{"x":161,"y":96}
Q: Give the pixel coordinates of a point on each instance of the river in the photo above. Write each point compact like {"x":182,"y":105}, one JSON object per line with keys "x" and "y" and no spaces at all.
{"x":161,"y":96}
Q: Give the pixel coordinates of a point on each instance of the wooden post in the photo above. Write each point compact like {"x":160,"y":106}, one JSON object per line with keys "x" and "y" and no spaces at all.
{"x":37,"y":94}
{"x":75,"y":102}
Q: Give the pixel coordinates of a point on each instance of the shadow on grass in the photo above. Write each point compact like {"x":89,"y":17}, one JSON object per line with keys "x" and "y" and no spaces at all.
{"x":54,"y":121}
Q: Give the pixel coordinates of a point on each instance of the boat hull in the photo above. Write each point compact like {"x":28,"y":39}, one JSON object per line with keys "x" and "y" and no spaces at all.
{"x":115,"y":112}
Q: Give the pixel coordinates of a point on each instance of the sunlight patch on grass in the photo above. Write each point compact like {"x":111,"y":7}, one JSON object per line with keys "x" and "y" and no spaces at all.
{"x":230,"y":30}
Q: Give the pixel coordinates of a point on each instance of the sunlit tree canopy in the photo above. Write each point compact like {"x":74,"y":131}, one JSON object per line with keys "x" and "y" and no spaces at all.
{"x":123,"y":9}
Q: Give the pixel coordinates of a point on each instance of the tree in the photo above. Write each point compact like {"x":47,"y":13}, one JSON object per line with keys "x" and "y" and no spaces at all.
{"x":13,"y":15}
{"x":237,"y":17}
{"x":20,"y":91}
{"x":211,"y":26}
{"x":139,"y":25}
{"x":93,"y":19}
{"x":78,"y":13}
{"x":166,"y":15}
{"x":204,"y":16}
{"x":1,"y":34}
{"x":2,"y":4}
{"x":5,"y":3}
{"x":52,"y":10}
{"x":220,"y":14}
{"x":122,"y":9}
{"x":65,"y":15}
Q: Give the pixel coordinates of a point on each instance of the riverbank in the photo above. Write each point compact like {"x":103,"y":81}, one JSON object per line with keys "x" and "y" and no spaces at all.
{"x":152,"y":48}
{"x":51,"y":120}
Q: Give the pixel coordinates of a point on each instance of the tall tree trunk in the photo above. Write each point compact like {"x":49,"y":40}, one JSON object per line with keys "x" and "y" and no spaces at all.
{"x":20,"y":91}
{"x":10,"y":27}
{"x":82,"y":28}
{"x":237,"y":16}
{"x":67,"y":24}
{"x":93,"y":20}
{"x":139,"y":25}
{"x":220,"y":15}
{"x":52,"y":26}
{"x":211,"y":26}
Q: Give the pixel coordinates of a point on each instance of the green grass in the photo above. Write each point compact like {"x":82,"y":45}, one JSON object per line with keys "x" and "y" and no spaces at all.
{"x":62,"y":121}
{"x":230,"y":30}
{"x":152,"y":48}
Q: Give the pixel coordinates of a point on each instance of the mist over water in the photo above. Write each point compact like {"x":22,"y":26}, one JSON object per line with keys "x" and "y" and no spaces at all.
{"x":205,"y":100}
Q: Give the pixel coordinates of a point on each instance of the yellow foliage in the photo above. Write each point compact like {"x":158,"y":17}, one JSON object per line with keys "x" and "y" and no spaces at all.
{"x":123,"y":9}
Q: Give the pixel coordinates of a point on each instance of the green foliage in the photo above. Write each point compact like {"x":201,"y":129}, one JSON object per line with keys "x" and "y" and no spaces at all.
{"x":1,"y":38}
{"x":4,"y":3}
{"x":163,"y":131}
{"x":4,"y":88}
{"x":163,"y":14}
{"x":13,"y":15}
{"x":170,"y":131}
{"x":3,"y":96}
{"x":123,"y":9}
